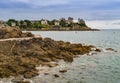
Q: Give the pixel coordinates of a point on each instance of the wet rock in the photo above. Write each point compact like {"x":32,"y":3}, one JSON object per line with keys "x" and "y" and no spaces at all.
{"x":82,"y":78}
{"x":56,"y":75}
{"x":80,"y":73}
{"x":98,"y":50}
{"x":110,"y":49}
{"x":63,"y":71}
{"x":92,"y":53}
{"x":67,"y":56}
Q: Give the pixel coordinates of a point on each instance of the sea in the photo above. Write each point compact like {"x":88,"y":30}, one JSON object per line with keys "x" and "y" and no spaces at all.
{"x":103,"y":67}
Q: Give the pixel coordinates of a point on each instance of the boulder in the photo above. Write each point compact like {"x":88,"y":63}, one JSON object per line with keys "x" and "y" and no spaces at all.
{"x":98,"y":50}
{"x":27,"y":34}
{"x":10,"y":32}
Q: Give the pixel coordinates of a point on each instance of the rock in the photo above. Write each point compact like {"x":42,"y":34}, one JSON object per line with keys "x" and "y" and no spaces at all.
{"x":24,"y":82}
{"x":98,"y":50}
{"x":51,"y":64}
{"x":63,"y":71}
{"x":76,"y":56}
{"x":110,"y":49}
{"x":23,"y":56}
{"x":56,"y":75}
{"x":46,"y":73}
{"x":93,"y":49}
{"x":45,"y":59}
{"x":27,"y":34}
{"x":11,"y":32}
{"x":67,"y":56}
{"x":82,"y":78}
{"x":17,"y":79}
{"x":80,"y":73}
{"x":21,"y":82}
{"x":30,"y":74}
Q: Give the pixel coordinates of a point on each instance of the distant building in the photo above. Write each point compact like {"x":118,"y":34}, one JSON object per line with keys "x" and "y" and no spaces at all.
{"x":81,"y":21}
{"x":57,"y":22}
{"x":18,"y":22}
{"x":25,"y":23}
{"x":45,"y":22}
{"x":33,"y":21}
{"x":70,"y":20}
{"x":13,"y":24}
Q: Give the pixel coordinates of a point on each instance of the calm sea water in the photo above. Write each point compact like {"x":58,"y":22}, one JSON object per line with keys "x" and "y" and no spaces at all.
{"x":103,"y":67}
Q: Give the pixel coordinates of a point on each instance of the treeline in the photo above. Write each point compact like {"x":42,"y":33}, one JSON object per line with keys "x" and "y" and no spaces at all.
{"x":24,"y":24}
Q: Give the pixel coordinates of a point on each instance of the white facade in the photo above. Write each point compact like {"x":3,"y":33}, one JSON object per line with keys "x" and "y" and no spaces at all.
{"x":13,"y":24}
{"x":45,"y":22}
{"x":57,"y":23}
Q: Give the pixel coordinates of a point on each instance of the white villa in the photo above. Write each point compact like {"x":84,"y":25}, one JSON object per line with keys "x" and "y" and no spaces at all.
{"x":45,"y":22}
{"x":57,"y":23}
{"x":13,"y":24}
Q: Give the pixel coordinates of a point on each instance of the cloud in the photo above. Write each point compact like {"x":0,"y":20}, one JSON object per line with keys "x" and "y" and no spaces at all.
{"x":50,"y":2}
{"x":50,"y":9}
{"x":41,"y":2}
{"x":104,"y":24}
{"x":22,"y":1}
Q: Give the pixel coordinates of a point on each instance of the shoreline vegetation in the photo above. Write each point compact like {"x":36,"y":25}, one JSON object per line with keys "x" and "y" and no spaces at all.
{"x":21,"y":56}
{"x":61,"y":24}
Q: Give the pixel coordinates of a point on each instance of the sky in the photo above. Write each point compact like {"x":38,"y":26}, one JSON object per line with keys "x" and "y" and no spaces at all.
{"x":95,"y":12}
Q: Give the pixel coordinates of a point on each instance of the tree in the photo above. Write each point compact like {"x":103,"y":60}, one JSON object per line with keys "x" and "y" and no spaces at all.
{"x":51,"y":22}
{"x":70,"y":25}
{"x":10,"y":21}
{"x":82,"y":22}
{"x":28,"y":23}
{"x":22,"y":24}
{"x":63,"y":23}
{"x":36,"y":25}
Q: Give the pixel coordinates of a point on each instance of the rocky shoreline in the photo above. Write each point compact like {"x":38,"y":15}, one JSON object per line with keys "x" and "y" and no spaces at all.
{"x":21,"y":57}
